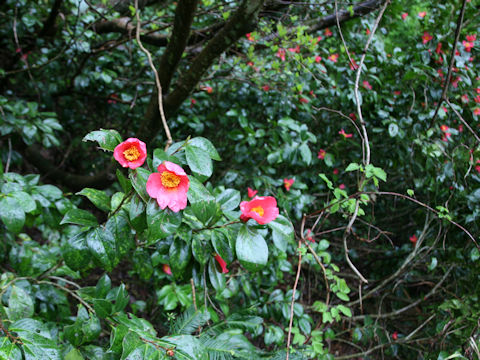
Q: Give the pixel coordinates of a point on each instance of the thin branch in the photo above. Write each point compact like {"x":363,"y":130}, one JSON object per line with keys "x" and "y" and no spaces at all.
{"x":463,"y":120}
{"x":157,"y":80}
{"x":289,"y":336}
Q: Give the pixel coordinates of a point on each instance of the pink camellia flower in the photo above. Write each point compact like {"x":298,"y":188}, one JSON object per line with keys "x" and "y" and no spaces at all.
{"x":426,"y":37}
{"x":281,"y":54}
{"x":477,"y":90}
{"x":262,"y":209}
{"x":344,"y":134}
{"x":327,"y":32}
{"x":341,"y":186}
{"x":166,"y":269}
{"x":333,"y":58}
{"x":460,"y":128}
{"x":468,"y":45}
{"x":131,"y":153}
{"x":222,"y":263}
{"x":413,"y":239}
{"x":288,"y":183}
{"x":455,"y":81}
{"x":318,"y":59}
{"x":395,"y":335}
{"x":321,"y":154}
{"x":422,"y":14}
{"x":476,"y":111}
{"x":251,"y":192}
{"x":404,"y":16}
{"x":296,"y":49}
{"x":169,"y":186}
{"x":366,"y":85}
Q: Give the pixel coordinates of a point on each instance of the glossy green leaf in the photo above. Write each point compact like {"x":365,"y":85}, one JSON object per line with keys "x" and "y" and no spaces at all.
{"x":79,"y":217}
{"x":179,"y":256}
{"x":106,"y":139}
{"x":20,"y":304}
{"x":282,"y":232}
{"x":205,"y":145}
{"x":200,"y":250}
{"x":251,"y":249}
{"x":217,"y":279}
{"x":139,"y":179}
{"x":198,"y":160}
{"x":229,"y":199}
{"x":161,"y":223}
{"x":102,"y":307}
{"x":25,"y":201}
{"x":221,"y":245}
{"x":102,"y":245}
{"x":99,"y":198}
{"x":76,"y":252}
{"x":12,"y":214}
{"x":8,"y":350}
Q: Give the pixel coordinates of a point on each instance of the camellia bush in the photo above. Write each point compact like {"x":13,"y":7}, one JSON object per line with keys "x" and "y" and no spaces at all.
{"x":239,"y":180}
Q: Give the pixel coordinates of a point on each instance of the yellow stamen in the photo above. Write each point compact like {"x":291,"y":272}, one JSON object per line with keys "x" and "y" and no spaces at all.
{"x":259,"y":210}
{"x":131,"y":154}
{"x":170,"y":180}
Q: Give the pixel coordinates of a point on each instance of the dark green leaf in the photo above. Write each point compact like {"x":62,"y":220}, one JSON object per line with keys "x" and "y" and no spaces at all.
{"x":79,"y":217}
{"x":200,"y":250}
{"x":179,"y":255}
{"x":37,"y":342}
{"x":102,"y":307}
{"x":103,"y":248}
{"x":76,"y":252}
{"x":12,"y":214}
{"x":251,"y":249}
{"x":229,"y":199}
{"x":20,"y":304}
{"x":161,"y":223}
{"x":217,"y":279}
{"x":139,"y":179}
{"x":206,"y":145}
{"x":104,"y":284}
{"x":282,"y":232}
{"x":198,"y":160}
{"x":97,"y":197}
{"x":106,"y":139}
{"x":25,"y":201}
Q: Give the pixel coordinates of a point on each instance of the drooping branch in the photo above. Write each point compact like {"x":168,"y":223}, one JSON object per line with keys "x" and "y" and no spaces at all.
{"x":241,"y":22}
{"x":358,"y":10}
{"x":177,"y":42}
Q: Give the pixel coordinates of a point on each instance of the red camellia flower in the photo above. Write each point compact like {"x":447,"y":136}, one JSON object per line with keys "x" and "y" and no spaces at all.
{"x":281,"y":54}
{"x":321,"y":154}
{"x":341,"y":186}
{"x":366,"y":85}
{"x":426,"y":37}
{"x":395,"y":335}
{"x":477,"y":168}
{"x":262,"y":209}
{"x":468,"y":45}
{"x":472,"y":38}
{"x":296,"y":49}
{"x":438,"y":50}
{"x":166,"y":269}
{"x":476,"y":111}
{"x":333,"y":58}
{"x":250,"y":37}
{"x":465,"y":98}
{"x":265,"y":87}
{"x":222,"y":263}
{"x":131,"y":153}
{"x":303,"y":100}
{"x":444,"y":128}
{"x":352,"y":116}
{"x":344,"y":134}
{"x":169,"y":186}
{"x":308,"y":236}
{"x":422,"y":14}
{"x":335,"y":171}
{"x":477,"y":99}
{"x":288,"y":183}
{"x":251,"y":192}
{"x":413,"y":239}
{"x":353,"y":64}
{"x":318,"y":59}
{"x":208,"y":89}
{"x":404,"y":16}
{"x":327,"y":32}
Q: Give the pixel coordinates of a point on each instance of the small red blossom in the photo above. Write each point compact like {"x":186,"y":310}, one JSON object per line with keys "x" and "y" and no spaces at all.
{"x":404,"y":16}
{"x":18,"y":50}
{"x":265,"y":87}
{"x":262,"y":209}
{"x":281,"y":54}
{"x":446,"y":136}
{"x":192,"y":102}
{"x":444,"y":128}
{"x":353,"y":64}
{"x":166,"y":269}
{"x":288,"y":183}
{"x":250,"y":37}
{"x":251,"y":192}
{"x":465,"y":98}
{"x":476,"y":111}
{"x":397,"y":92}
{"x":333,"y":58}
{"x":367,"y":31}
{"x":460,"y":128}
{"x":471,"y":38}
{"x":366,"y":85}
{"x":422,"y":14}
{"x":327,"y":32}
{"x":426,"y":37}
{"x":438,"y":50}
{"x":221,"y":263}
{"x":335,"y":171}
{"x":477,"y":90}
{"x":477,"y":99}
{"x":131,"y":153}
{"x":413,"y":239}
{"x":318,"y":59}
{"x":344,"y":134}
{"x":296,"y":49}
{"x":321,"y":154}
{"x":341,"y":186}
{"x":250,"y":63}
{"x":303,"y":100}
{"x":312,"y":93}
{"x":477,"y":168}
{"x":455,"y":81}
{"x":308,"y":236}
{"x":395,"y":335}
{"x":169,"y":186}
{"x":468,"y":45}
{"x":352,"y":116}
{"x":208,"y":89}
{"x":112,"y":99}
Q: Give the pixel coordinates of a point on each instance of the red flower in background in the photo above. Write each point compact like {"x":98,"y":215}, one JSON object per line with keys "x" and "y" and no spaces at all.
{"x":281,"y":54}
{"x":477,"y":99}
{"x":303,"y":100}
{"x":251,"y":192}
{"x":296,"y":49}
{"x":318,"y":59}
{"x":341,"y":186}
{"x":250,"y":37}
{"x":344,"y":134}
{"x":366,"y":85}
{"x":262,"y":209}
{"x":327,"y":32}
{"x":265,"y":87}
{"x":426,"y":37}
{"x":131,"y":153}
{"x":308,"y":236}
{"x":288,"y":183}
{"x":333,"y":58}
{"x":169,"y":186}
{"x":413,"y":239}
{"x":422,"y":14}
{"x":395,"y":335}
{"x":222,"y":263}
{"x":208,"y":89}
{"x":444,"y":128}
{"x":471,"y":38}
{"x":321,"y":154}
{"x":166,"y":269}
{"x":465,"y":98}
{"x":335,"y":171}
{"x":352,"y":116}
{"x":476,"y":111}
{"x":438,"y":50}
{"x":404,"y":16}
{"x":468,"y":45}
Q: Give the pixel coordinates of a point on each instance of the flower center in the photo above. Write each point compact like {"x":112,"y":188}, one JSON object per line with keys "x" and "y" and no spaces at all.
{"x":170,"y":180}
{"x":259,"y":210}
{"x":131,"y":154}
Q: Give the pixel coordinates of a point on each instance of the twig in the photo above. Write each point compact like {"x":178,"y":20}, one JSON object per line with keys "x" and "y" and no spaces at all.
{"x":462,"y":120}
{"x":452,"y":61}
{"x":9,"y":157}
{"x":289,"y":336}
{"x":319,"y":262}
{"x":193,"y":294}
{"x":157,"y":79}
